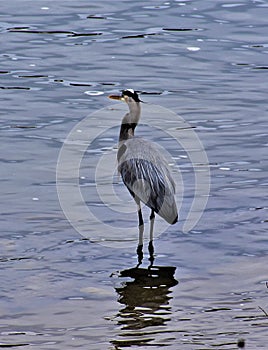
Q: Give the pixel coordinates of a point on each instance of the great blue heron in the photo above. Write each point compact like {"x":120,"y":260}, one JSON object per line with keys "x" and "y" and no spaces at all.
{"x":144,"y":170}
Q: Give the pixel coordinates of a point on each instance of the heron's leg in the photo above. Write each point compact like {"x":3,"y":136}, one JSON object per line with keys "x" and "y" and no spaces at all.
{"x":151,"y":253}
{"x":141,"y":230}
{"x":141,"y":224}
{"x":150,"y":246}
{"x":152,"y":216}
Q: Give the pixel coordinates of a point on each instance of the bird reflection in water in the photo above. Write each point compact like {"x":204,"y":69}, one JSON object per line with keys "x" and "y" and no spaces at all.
{"x":145,"y":294}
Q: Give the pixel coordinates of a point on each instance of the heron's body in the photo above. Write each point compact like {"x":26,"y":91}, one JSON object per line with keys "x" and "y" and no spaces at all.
{"x":146,"y":174}
{"x":143,"y":168}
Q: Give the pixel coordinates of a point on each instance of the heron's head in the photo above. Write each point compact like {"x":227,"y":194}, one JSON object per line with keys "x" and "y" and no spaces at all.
{"x":129,"y":96}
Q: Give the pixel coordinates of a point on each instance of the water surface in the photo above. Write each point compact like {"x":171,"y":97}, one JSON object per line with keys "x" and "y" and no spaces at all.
{"x":208,"y":63}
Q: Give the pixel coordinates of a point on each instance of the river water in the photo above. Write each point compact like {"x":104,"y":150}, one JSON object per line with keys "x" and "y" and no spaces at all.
{"x":73,"y":284}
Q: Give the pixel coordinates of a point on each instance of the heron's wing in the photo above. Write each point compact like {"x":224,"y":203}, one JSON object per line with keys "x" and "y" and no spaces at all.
{"x":150,"y":183}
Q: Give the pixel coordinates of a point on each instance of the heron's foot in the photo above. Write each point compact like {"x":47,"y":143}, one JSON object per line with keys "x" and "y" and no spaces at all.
{"x":140,"y":254}
{"x":151,"y":252}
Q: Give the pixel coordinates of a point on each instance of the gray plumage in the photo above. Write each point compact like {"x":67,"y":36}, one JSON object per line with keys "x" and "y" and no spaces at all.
{"x":146,"y":174}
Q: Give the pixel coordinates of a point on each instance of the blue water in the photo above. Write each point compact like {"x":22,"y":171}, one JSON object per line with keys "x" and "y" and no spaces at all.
{"x":205,"y":61}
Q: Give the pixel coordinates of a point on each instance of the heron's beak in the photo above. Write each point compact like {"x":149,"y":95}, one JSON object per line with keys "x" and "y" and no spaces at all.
{"x":116,"y":97}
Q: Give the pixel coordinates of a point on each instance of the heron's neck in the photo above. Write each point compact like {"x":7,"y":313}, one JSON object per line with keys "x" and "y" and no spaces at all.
{"x":134,"y":112}
{"x":130,"y":121}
